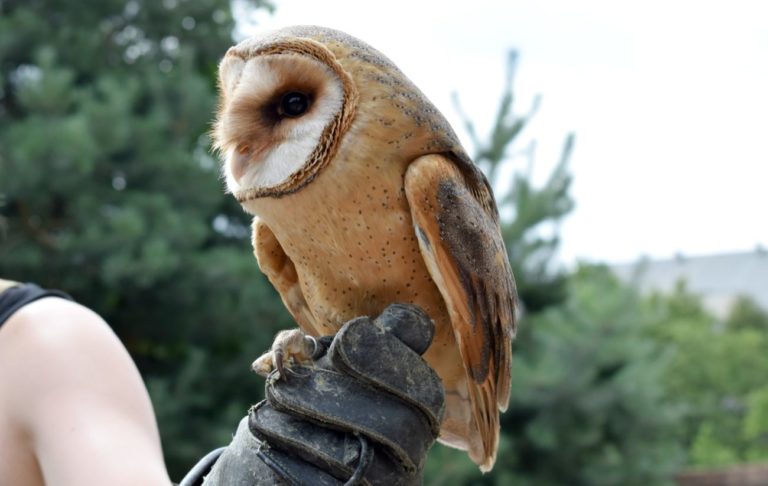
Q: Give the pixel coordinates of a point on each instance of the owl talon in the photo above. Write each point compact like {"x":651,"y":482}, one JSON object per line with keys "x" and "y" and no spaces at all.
{"x":277,"y":356}
{"x":293,"y":372}
{"x":289,"y":348}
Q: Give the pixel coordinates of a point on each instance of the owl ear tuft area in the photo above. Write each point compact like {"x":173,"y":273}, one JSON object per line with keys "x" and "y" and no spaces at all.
{"x":230,"y":72}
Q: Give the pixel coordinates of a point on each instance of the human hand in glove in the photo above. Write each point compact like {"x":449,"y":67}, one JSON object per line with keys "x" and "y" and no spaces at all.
{"x":365,"y":410}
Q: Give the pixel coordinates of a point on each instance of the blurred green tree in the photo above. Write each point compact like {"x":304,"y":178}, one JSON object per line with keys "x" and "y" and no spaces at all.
{"x":755,"y":426}
{"x":591,"y":397}
{"x":107,"y":190}
{"x":587,"y":406}
{"x":717,"y":371}
{"x":527,"y":211}
{"x":746,"y":314}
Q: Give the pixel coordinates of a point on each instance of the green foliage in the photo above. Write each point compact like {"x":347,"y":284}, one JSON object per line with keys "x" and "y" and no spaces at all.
{"x":708,"y":450}
{"x":718,"y":372}
{"x":746,"y":314}
{"x":107,"y":190}
{"x":591,"y":379}
{"x":588,"y":406}
{"x":755,"y":425}
{"x":532,"y":208}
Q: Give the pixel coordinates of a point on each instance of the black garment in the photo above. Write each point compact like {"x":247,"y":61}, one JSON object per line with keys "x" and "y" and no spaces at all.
{"x":14,"y":298}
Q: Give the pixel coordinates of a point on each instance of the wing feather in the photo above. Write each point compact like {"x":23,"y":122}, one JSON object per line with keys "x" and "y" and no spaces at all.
{"x":461,"y":243}
{"x":281,"y":272}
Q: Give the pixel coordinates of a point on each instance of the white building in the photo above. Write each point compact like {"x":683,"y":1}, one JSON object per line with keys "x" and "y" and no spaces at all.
{"x":718,"y":279}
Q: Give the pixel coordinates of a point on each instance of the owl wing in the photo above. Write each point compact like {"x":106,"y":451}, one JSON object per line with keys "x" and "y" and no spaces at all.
{"x":461,"y":243}
{"x":281,"y":272}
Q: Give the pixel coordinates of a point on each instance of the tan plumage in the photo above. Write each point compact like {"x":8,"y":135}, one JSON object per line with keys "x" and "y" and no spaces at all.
{"x":366,"y":199}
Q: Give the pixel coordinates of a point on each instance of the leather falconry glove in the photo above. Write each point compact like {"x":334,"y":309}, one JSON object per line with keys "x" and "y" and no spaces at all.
{"x":366,"y":411}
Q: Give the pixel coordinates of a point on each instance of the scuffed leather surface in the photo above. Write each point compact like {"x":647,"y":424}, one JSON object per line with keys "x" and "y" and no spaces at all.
{"x":371,"y":385}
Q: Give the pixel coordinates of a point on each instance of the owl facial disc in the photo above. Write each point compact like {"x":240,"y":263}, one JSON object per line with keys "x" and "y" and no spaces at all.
{"x":275,"y":111}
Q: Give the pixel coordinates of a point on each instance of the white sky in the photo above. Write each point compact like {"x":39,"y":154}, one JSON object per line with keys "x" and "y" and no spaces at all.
{"x":668,"y":100}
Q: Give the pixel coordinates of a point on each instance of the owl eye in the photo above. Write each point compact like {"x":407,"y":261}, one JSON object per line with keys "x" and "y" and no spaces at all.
{"x":293,"y":104}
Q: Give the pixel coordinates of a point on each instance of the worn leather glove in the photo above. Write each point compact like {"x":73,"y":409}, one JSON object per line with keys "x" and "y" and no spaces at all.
{"x":365,"y":411}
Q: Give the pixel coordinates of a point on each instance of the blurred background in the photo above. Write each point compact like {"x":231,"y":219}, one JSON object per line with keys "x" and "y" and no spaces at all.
{"x":626,"y":143}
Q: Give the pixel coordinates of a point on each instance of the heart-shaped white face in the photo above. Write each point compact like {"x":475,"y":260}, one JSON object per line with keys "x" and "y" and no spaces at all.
{"x":274,"y":109}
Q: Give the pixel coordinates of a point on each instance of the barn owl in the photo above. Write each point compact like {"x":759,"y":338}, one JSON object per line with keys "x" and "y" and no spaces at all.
{"x":363,"y":197}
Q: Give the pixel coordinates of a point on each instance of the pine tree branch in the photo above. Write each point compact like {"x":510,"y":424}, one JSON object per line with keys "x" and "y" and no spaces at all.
{"x":37,"y":233}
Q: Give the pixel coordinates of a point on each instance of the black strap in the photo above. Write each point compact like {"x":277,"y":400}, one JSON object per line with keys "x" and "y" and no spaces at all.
{"x":197,"y":474}
{"x":14,"y":298}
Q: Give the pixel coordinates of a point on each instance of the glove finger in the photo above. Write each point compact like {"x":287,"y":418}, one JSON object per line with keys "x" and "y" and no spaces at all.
{"x":336,"y":452}
{"x":368,"y":352}
{"x":295,"y":471}
{"x":247,"y":462}
{"x":329,"y":397}
{"x":410,"y":324}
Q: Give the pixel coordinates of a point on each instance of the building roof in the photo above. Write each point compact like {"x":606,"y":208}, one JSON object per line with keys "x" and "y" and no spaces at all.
{"x":718,"y":279}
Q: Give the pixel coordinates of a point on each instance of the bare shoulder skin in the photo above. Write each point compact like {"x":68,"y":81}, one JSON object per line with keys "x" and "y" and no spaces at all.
{"x":73,"y":407}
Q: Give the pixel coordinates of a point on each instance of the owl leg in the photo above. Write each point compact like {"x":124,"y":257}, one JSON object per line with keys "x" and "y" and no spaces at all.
{"x":289,"y":347}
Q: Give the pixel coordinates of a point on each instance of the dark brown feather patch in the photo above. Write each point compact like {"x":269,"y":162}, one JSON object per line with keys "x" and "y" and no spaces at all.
{"x":461,"y":242}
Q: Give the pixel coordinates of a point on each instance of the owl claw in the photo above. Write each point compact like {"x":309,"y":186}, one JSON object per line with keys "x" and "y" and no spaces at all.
{"x":289,"y":348}
{"x":277,"y":356}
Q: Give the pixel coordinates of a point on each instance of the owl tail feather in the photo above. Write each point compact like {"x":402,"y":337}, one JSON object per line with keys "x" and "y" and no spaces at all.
{"x":471,"y":422}
{"x":485,"y":413}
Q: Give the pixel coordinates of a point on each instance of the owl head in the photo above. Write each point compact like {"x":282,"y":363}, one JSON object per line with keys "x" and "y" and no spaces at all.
{"x":289,"y":97}
{"x":285,"y":103}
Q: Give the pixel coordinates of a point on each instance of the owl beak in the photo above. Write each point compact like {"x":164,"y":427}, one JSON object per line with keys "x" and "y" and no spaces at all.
{"x":244,"y":156}
{"x":239,"y":161}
